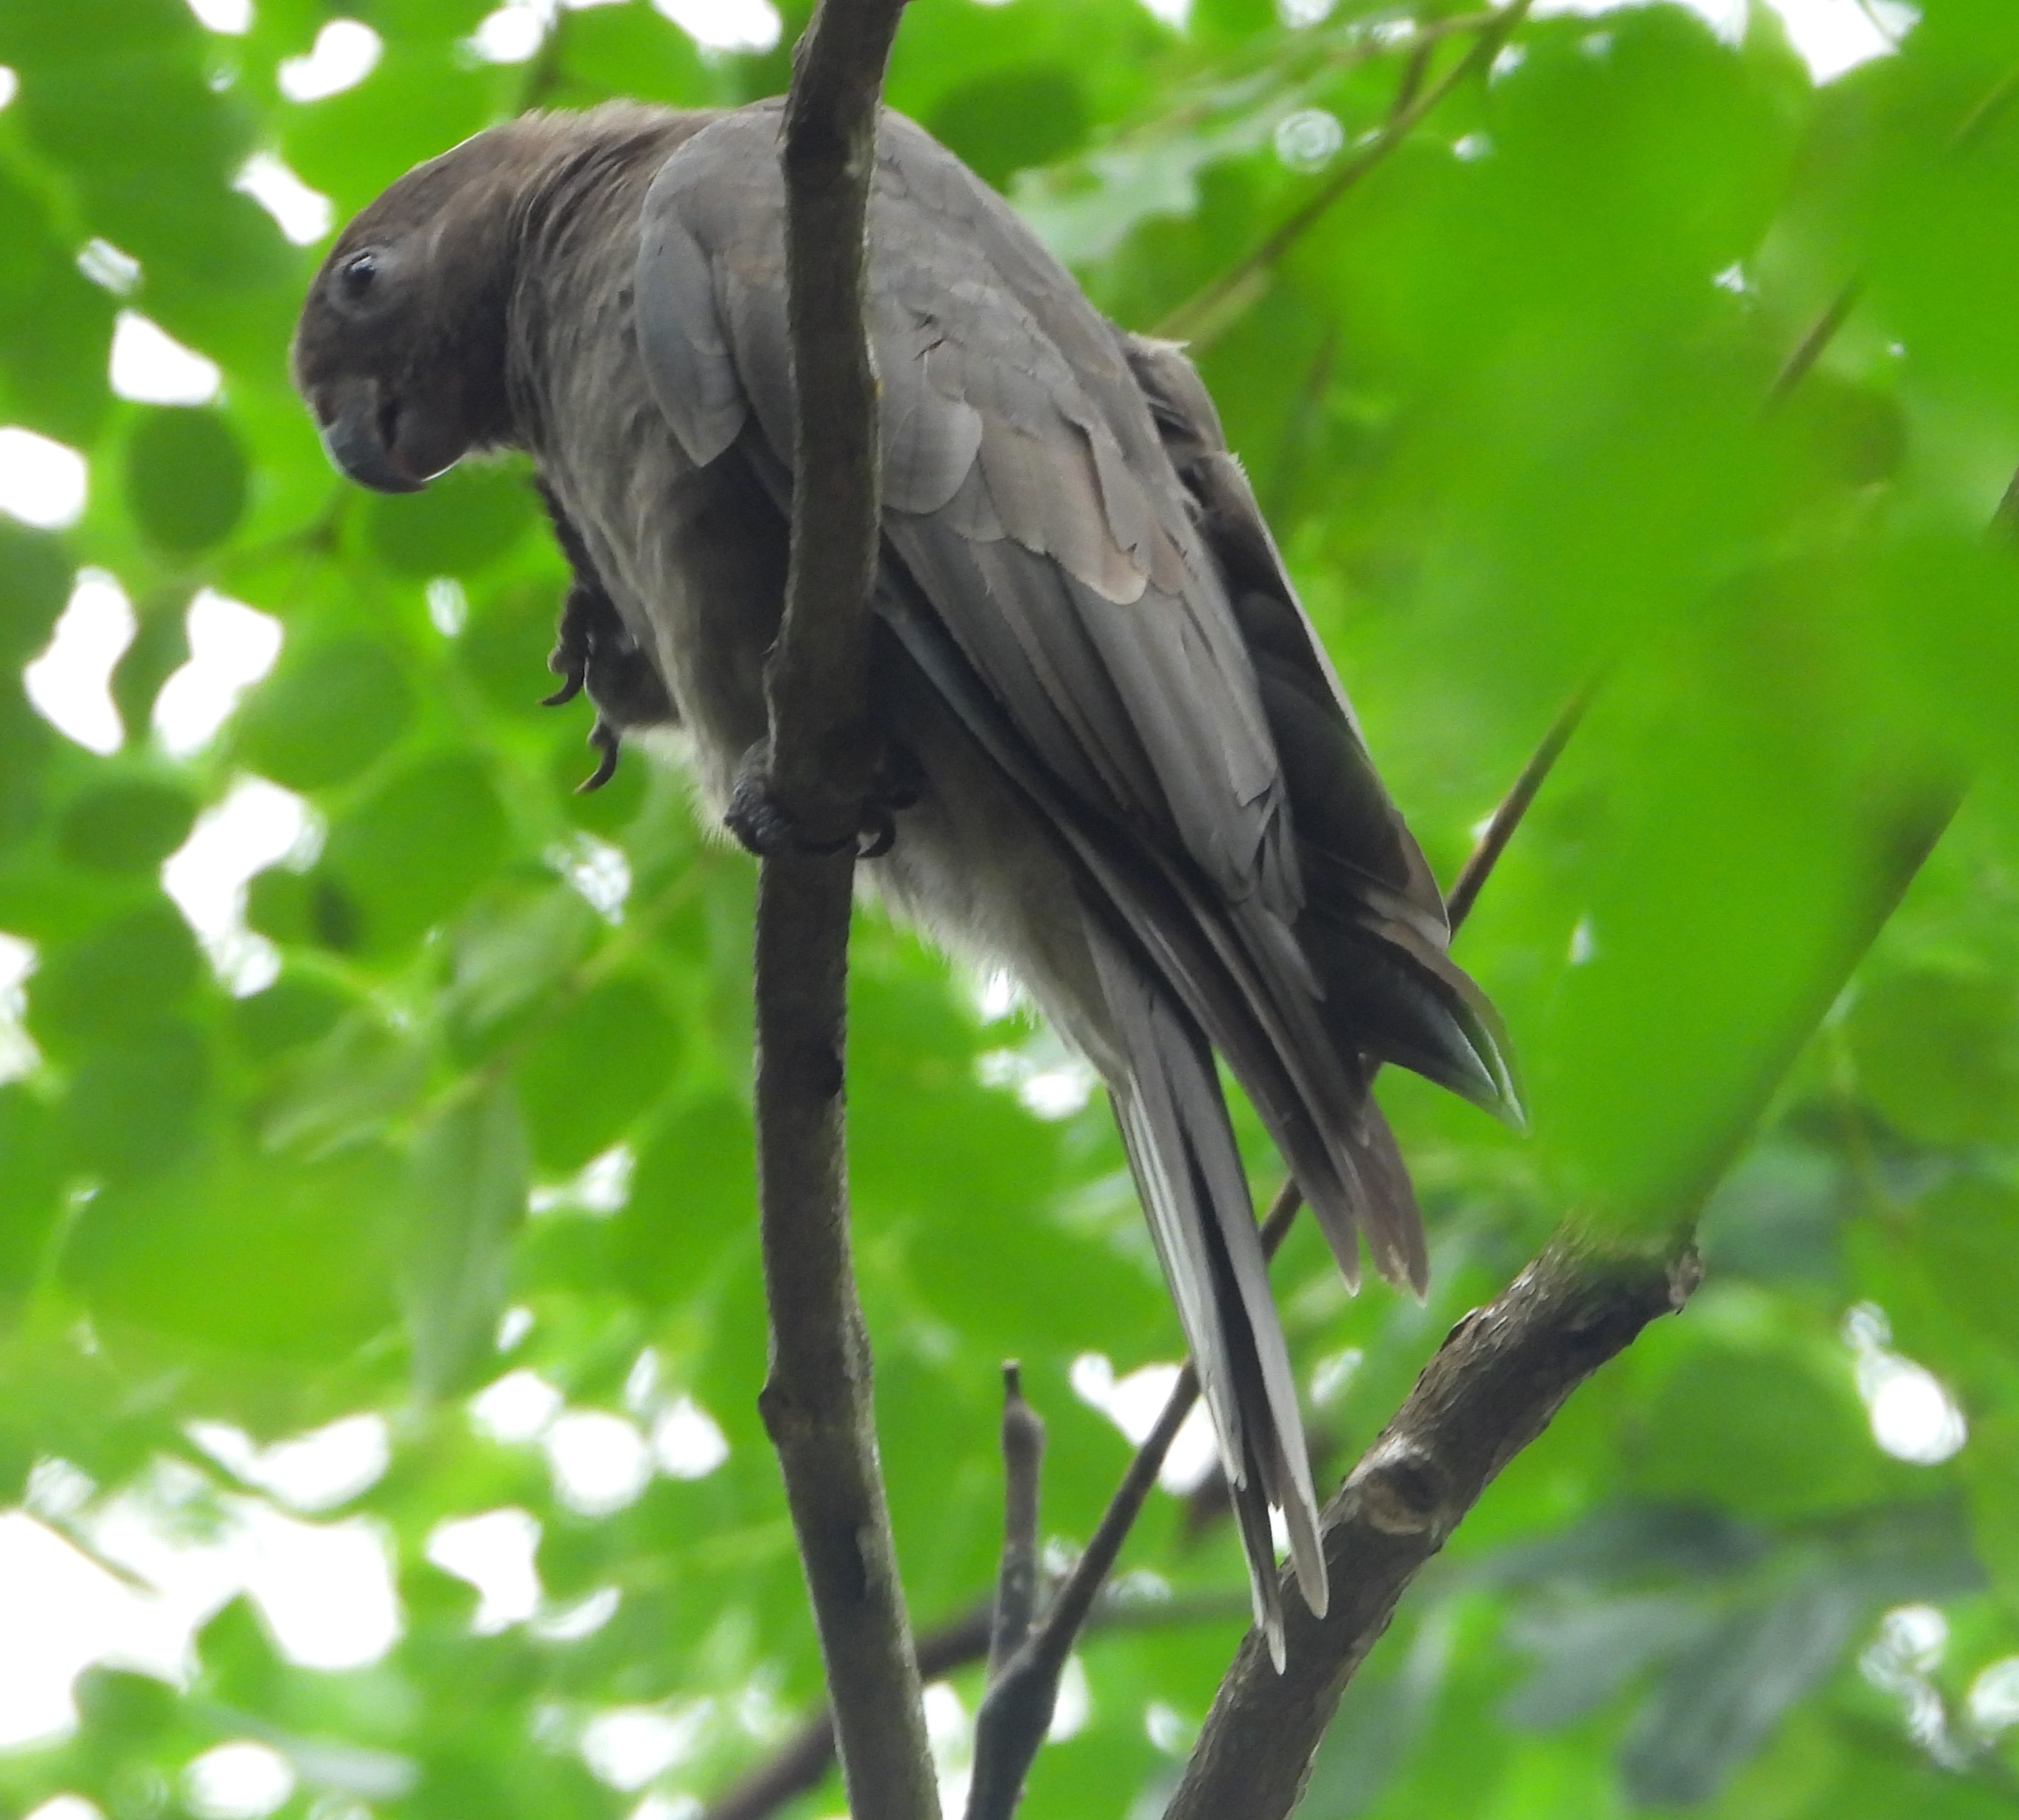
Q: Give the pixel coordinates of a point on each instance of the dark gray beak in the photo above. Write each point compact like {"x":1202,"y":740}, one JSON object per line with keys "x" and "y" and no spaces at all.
{"x":359,"y":433}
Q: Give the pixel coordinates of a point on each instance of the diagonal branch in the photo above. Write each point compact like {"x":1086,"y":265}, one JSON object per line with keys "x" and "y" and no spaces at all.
{"x":1815,"y":339}
{"x":1202,"y":315}
{"x":816,"y":1400}
{"x":1500,"y":1376}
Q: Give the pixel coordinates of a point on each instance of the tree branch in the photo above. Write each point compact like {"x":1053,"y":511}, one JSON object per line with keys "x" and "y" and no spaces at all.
{"x":1202,"y":315}
{"x":1502,"y":1373}
{"x":816,"y":1400}
{"x":1817,"y":337}
{"x":1017,"y":1581}
{"x":797,"y":1767}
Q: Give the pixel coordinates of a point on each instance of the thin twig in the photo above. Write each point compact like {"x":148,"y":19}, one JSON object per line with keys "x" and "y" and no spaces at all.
{"x":1017,"y":1579}
{"x":1500,"y":827}
{"x":799,"y":1765}
{"x":1201,"y":316}
{"x":816,"y":1401}
{"x":1968,"y":130}
{"x":1016,"y":1712}
{"x":543,"y":75}
{"x":1980,"y":118}
{"x":1808,"y":349}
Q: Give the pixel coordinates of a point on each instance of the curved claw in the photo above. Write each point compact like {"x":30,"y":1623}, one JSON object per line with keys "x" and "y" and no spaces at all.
{"x":570,"y":688}
{"x":603,"y":736}
{"x":878,"y":832}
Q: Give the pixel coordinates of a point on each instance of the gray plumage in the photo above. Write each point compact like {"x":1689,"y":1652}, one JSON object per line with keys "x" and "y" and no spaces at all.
{"x":1139,"y":783}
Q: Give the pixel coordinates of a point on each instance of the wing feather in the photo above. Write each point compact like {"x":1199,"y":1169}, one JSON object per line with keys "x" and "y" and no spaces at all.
{"x":1009,"y":392}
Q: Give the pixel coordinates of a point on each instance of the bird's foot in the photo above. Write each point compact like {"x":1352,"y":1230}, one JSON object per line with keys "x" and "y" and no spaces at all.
{"x":569,"y":659}
{"x":608,"y":742}
{"x":768,"y":829}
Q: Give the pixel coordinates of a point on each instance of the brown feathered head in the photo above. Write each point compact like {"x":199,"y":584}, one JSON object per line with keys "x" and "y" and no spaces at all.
{"x":402,"y":345}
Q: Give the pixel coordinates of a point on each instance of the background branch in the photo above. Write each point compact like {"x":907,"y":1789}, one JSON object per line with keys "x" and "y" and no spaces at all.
{"x":816,"y":1401}
{"x":1202,"y":315}
{"x":797,"y":1767}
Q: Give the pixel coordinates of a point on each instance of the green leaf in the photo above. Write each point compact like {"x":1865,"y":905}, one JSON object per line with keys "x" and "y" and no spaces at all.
{"x":1012,"y":119}
{"x":186,"y":478}
{"x":35,"y":582}
{"x":634,"y":50}
{"x":417,"y":847}
{"x":513,"y":956}
{"x":468,"y":1186}
{"x":273,"y":1257}
{"x":31,"y":1181}
{"x":329,"y":709}
{"x":1937,"y":1053}
{"x":470,"y":517}
{"x":161,"y":646}
{"x":349,"y":1083}
{"x":589,"y":1074}
{"x":121,"y":976}
{"x":296,"y":1009}
{"x":136,"y":1108}
{"x":129,"y":826}
{"x":1764,"y":1430}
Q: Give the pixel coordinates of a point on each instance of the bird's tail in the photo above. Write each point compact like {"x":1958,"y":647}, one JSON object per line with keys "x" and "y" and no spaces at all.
{"x":1180,"y":1143}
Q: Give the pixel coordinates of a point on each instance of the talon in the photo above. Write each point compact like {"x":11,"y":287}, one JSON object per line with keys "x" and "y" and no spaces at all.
{"x":569,"y":659}
{"x":604,"y":737}
{"x":878,"y":833}
{"x":751,"y":817}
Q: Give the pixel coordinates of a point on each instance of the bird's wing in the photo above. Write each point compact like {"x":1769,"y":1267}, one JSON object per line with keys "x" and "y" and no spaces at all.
{"x":1374,"y":930}
{"x":1025,"y":483}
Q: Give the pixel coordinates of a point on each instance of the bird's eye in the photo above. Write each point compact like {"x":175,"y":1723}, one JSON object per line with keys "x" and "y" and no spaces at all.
{"x":357,"y":275}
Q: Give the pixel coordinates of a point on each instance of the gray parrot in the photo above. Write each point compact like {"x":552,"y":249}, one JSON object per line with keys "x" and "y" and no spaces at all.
{"x":1123,"y":767}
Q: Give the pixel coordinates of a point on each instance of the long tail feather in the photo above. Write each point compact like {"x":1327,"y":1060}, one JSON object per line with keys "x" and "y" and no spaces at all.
{"x":1174,"y":1122}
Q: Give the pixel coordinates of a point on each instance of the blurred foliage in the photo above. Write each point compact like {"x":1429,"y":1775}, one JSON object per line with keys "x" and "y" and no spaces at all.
{"x":1512,"y":403}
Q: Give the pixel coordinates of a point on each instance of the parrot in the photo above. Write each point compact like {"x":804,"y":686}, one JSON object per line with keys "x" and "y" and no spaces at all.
{"x":1122,"y":770}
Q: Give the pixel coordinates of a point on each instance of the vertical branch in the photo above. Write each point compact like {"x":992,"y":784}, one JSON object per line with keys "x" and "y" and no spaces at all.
{"x":1017,"y":1580}
{"x":816,"y":1400}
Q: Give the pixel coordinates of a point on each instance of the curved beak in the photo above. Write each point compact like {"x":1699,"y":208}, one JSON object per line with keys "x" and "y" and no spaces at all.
{"x":358,"y":434}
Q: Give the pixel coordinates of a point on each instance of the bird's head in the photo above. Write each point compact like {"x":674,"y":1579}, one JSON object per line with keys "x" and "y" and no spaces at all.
{"x":399,"y":352}
{"x":401,"y":348}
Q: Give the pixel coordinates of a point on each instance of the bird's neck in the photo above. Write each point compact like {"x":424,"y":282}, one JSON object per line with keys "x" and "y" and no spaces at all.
{"x":574,"y":255}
